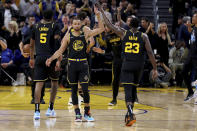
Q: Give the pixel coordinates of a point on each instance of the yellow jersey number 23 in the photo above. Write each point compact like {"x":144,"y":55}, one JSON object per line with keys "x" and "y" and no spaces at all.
{"x":132,"y":47}
{"x":43,"y":38}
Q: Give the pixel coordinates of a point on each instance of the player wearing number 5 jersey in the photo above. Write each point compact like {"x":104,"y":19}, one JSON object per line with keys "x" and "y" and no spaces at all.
{"x":134,"y":45}
{"x":46,"y":38}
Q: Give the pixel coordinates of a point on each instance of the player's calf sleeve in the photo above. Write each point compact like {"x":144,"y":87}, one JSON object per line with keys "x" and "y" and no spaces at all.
{"x":86,"y":95}
{"x":74,"y":94}
{"x":130,"y":93}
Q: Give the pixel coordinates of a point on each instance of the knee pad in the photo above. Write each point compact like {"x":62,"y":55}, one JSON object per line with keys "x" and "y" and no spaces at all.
{"x":74,"y":94}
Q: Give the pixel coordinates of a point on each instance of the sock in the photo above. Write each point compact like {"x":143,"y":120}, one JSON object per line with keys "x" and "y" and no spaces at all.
{"x":51,"y":106}
{"x":87,"y":109}
{"x":130,"y":109}
{"x":77,"y":111}
{"x":37,"y":107}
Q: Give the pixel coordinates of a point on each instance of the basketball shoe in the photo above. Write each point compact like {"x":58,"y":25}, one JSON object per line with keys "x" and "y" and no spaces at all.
{"x":50,"y":113}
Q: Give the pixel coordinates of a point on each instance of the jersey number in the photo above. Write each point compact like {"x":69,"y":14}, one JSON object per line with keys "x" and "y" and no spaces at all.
{"x":43,"y":38}
{"x":132,"y":47}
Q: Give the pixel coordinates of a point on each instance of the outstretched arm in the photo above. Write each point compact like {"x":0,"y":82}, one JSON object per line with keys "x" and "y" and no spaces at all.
{"x":122,"y":23}
{"x":59,"y":52}
{"x":90,"y":33}
{"x":120,"y":32}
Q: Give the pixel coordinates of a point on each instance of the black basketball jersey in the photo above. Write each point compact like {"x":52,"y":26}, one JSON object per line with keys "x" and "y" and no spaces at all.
{"x":77,"y":46}
{"x":43,"y":34}
{"x":114,"y":42}
{"x":133,"y":46}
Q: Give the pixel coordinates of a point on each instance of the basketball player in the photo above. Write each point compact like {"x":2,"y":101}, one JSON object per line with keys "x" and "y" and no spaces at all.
{"x":26,"y":41}
{"x":191,"y":61}
{"x":113,"y":43}
{"x":82,"y":16}
{"x":134,"y":44}
{"x":76,"y":41}
{"x":46,"y":38}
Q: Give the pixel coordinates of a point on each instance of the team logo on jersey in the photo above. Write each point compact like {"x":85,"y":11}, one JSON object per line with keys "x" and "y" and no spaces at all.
{"x":78,"y":45}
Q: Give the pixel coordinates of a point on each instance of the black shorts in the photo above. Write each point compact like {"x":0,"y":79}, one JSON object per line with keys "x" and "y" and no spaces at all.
{"x":131,"y":73}
{"x":42,"y":72}
{"x":77,"y":71}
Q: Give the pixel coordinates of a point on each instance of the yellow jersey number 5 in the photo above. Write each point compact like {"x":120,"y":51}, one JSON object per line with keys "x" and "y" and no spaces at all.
{"x":132,"y":47}
{"x":43,"y":38}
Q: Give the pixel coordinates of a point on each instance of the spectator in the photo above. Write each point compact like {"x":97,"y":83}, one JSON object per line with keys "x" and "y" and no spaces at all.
{"x":32,"y":9}
{"x":50,"y":5}
{"x":180,"y":22}
{"x":114,"y":9}
{"x":152,"y":36}
{"x":163,"y":40}
{"x":178,"y":55}
{"x":184,"y":34}
{"x":177,"y":7}
{"x":144,"y":24}
{"x":7,"y":13}
{"x":14,"y":37}
{"x":7,"y":65}
{"x":26,"y":34}
{"x":164,"y":75}
{"x":65,"y":23}
{"x":84,"y":5}
{"x":107,"y":13}
{"x":3,"y":43}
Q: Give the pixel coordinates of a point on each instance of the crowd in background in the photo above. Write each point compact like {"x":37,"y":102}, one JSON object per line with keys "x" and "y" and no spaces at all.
{"x":17,"y":17}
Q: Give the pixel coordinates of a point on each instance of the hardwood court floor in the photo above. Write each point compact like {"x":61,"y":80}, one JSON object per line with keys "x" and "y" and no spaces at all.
{"x":158,"y":110}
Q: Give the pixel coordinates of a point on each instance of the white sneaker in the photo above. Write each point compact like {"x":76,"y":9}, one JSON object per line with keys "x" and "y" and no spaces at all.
{"x":195,"y":101}
{"x":50,"y":113}
{"x":70,"y":103}
{"x":195,"y":94}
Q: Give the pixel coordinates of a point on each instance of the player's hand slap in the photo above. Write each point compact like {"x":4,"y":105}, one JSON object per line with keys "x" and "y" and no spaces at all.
{"x":48,"y":62}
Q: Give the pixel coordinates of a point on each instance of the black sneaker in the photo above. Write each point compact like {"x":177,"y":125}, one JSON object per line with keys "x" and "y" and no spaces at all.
{"x":113,"y":103}
{"x":189,"y":97}
{"x":42,"y":101}
{"x":130,"y":119}
{"x":32,"y":101}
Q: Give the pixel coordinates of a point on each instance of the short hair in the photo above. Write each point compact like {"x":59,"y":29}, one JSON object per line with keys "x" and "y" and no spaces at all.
{"x":75,"y":18}
{"x":145,"y":19}
{"x":134,"y":22}
{"x":82,"y":15}
{"x":186,"y":18}
{"x":48,"y":15}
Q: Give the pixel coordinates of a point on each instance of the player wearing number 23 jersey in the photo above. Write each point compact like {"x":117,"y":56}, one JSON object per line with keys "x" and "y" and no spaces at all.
{"x":134,"y":44}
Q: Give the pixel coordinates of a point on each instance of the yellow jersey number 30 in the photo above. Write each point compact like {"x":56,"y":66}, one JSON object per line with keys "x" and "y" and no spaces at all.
{"x":132,"y":47}
{"x":43,"y":38}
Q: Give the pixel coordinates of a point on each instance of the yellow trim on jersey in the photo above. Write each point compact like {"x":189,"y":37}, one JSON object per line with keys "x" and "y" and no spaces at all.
{"x":41,"y":80}
{"x":77,"y":59}
{"x":130,"y":84}
{"x":84,"y":82}
{"x":54,"y":79}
